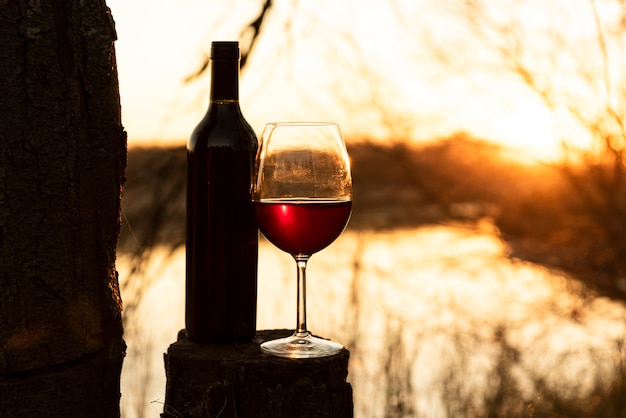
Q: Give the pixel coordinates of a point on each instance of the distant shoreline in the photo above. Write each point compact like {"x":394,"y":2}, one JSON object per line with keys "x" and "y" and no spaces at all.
{"x":457,"y":180}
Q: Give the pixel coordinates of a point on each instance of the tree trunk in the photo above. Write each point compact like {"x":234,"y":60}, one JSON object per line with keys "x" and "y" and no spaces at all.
{"x":238,"y":381}
{"x":62,"y":161}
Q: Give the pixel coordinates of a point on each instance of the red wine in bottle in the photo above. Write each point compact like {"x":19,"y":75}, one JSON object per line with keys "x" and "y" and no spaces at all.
{"x":222,"y":234}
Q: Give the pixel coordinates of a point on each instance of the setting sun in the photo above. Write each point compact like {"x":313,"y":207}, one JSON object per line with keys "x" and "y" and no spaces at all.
{"x":529,"y":128}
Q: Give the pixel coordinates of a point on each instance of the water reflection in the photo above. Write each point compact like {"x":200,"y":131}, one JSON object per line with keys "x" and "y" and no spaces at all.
{"x":438,"y":320}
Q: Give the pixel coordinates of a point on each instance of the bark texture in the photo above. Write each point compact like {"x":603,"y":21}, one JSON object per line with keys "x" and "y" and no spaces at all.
{"x":62,"y":161}
{"x":228,"y":381}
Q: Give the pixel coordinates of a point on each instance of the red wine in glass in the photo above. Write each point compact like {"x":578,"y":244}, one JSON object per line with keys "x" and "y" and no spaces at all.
{"x":302,"y":226}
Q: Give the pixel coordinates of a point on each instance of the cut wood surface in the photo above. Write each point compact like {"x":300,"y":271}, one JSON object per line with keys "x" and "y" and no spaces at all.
{"x":241,"y":381}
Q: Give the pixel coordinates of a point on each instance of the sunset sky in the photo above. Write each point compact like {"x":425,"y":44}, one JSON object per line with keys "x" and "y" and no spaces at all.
{"x":371,"y":67}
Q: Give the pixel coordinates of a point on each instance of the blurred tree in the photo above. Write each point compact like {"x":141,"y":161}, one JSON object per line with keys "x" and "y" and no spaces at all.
{"x":571,"y":57}
{"x":571,"y":61}
{"x":62,"y":161}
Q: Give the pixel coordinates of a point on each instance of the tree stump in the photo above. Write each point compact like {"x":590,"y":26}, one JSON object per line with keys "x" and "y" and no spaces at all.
{"x":239,"y":381}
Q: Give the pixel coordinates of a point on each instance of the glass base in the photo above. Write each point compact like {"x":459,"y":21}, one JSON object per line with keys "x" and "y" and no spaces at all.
{"x":301,"y":345}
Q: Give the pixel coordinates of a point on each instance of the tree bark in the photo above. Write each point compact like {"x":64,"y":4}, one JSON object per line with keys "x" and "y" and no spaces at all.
{"x":62,"y":161}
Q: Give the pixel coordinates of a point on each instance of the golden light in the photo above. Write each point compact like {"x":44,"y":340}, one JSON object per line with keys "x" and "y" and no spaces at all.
{"x":529,"y":128}
{"x":316,"y":65}
{"x":368,"y":67}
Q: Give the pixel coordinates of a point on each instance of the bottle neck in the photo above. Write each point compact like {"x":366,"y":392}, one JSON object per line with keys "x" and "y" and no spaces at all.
{"x":224,"y":80}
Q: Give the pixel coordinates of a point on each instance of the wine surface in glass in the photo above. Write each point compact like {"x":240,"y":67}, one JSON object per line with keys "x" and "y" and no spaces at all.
{"x":302,"y":226}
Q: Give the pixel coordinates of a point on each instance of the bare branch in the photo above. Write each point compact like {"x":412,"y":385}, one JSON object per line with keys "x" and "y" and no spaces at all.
{"x":253,"y":31}
{"x":603,"y":51}
{"x":247,"y":37}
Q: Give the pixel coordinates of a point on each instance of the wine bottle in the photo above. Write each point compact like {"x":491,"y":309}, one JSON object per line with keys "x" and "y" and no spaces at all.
{"x":222,"y":234}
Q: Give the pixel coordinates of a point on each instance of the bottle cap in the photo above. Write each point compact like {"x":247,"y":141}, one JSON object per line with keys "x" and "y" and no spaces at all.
{"x":225,"y":50}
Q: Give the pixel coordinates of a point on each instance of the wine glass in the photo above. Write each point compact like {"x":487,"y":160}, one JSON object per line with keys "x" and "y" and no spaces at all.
{"x":302,"y":194}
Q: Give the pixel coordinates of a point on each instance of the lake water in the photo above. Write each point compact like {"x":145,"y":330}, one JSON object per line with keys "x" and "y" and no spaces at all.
{"x":435,"y":318}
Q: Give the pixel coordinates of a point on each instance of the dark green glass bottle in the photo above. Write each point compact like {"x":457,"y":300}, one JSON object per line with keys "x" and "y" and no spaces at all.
{"x":222,"y":234}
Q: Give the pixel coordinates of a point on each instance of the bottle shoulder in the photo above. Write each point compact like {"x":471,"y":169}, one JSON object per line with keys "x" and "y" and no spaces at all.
{"x":223,"y":126}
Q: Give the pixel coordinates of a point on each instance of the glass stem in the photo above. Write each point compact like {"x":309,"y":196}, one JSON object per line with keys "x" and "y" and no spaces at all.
{"x":301,"y":261}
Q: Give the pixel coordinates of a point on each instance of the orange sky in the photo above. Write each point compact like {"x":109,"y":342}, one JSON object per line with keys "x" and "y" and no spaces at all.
{"x":366,"y":66}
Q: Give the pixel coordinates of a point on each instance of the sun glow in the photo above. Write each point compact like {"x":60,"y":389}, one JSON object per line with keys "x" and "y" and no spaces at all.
{"x":529,"y":128}
{"x":378,"y":85}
